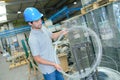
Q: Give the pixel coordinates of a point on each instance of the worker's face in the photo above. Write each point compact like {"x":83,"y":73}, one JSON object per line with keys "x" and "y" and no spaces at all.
{"x":37,"y":24}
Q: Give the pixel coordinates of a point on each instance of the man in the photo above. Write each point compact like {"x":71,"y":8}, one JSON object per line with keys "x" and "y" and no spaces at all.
{"x":41,"y":45}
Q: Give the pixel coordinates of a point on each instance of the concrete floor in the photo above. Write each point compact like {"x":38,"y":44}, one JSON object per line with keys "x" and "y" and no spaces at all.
{"x":19,"y":73}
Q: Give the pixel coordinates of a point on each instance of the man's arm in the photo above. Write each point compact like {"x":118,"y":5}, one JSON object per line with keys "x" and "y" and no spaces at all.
{"x":57,"y":34}
{"x":40,"y":60}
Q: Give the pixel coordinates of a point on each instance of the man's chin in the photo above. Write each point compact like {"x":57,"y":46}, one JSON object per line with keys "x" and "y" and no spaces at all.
{"x":39,"y":27}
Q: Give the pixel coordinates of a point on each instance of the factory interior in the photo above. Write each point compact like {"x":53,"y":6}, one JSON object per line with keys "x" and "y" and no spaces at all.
{"x":89,"y":51}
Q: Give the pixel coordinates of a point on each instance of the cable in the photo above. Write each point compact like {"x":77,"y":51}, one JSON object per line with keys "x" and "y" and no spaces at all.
{"x":111,"y":73}
{"x":113,"y":61}
{"x":98,"y":53}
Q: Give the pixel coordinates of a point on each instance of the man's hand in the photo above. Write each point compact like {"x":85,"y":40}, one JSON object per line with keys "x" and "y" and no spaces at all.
{"x":57,"y":34}
{"x":58,"y":67}
{"x":64,"y":32}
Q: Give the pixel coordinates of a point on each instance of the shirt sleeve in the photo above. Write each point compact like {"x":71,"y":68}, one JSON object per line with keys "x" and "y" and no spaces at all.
{"x":48,"y":31}
{"x":34,"y":46}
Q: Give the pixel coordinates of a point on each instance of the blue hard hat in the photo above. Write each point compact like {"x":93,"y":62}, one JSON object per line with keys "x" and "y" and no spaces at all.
{"x":32,"y":14}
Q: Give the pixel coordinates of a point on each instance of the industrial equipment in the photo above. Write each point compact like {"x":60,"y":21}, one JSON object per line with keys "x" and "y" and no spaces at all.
{"x":85,"y":52}
{"x":105,"y":21}
{"x":86,"y":60}
{"x":114,"y":19}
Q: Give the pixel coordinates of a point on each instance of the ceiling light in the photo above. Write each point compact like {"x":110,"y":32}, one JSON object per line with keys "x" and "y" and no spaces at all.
{"x":19,"y":12}
{"x":74,"y":2}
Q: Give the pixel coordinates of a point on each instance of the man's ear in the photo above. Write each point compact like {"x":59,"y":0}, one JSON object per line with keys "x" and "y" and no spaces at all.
{"x":30,"y":23}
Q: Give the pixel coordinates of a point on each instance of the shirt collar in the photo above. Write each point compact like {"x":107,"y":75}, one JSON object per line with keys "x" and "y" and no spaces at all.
{"x":36,"y":30}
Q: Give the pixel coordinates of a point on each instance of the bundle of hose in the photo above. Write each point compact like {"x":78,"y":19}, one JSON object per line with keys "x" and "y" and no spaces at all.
{"x":108,"y":74}
{"x":104,"y":73}
{"x":105,"y":62}
{"x":75,"y":78}
{"x":98,"y":53}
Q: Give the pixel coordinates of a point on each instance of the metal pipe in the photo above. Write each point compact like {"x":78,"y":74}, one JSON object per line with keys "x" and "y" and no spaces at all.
{"x":58,"y":13}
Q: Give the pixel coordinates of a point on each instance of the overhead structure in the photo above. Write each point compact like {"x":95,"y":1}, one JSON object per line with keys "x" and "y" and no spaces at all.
{"x":63,"y":13}
{"x":13,"y":32}
{"x":15,"y":8}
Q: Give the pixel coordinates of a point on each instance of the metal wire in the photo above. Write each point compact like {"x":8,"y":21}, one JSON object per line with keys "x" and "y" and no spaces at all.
{"x":98,"y":54}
